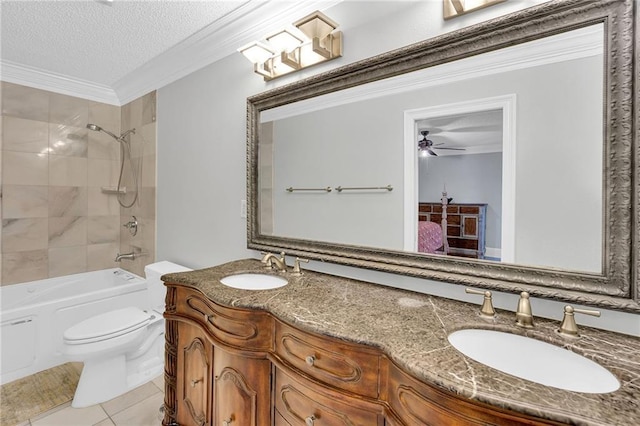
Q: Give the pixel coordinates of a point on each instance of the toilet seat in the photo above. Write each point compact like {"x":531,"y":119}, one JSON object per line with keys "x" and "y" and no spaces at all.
{"x":107,"y":326}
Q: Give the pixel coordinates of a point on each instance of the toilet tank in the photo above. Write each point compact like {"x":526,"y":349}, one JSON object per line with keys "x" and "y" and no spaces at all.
{"x":155,"y":287}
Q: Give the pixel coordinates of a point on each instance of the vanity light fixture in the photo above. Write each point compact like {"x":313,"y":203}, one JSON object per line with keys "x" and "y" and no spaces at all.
{"x":312,"y":40}
{"x":453,"y":8}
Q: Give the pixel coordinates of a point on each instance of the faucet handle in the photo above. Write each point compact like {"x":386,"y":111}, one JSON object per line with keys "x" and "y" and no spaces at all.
{"x":487,"y":307}
{"x":296,"y":271}
{"x":524,"y":315}
{"x":266,"y":259}
{"x":568,"y":327}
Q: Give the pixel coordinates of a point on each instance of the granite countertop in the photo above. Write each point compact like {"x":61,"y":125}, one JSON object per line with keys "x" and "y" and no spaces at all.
{"x":412,"y":329}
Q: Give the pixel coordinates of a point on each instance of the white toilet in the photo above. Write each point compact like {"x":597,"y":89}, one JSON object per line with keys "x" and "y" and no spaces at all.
{"x":120,"y":349}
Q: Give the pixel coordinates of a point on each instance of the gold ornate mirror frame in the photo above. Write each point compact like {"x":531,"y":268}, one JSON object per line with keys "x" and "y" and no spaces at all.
{"x":617,"y":287}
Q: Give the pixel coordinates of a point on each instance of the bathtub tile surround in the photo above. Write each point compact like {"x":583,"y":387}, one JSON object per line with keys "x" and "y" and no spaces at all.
{"x":55,"y":218}
{"x":412,"y":329}
{"x":141,"y":115}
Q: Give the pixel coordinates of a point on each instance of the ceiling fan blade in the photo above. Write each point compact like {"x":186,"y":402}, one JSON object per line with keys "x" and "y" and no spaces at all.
{"x":452,"y":149}
{"x":431,"y":152}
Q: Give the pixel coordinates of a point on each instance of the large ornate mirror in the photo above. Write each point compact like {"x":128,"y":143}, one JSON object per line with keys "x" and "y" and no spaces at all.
{"x":498,"y":156}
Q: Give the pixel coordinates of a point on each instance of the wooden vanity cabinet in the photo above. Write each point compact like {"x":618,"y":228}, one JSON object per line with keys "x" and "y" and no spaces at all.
{"x":303,"y":402}
{"x":416,"y":403}
{"x":239,"y":367}
{"x":242,"y":390}
{"x":336,"y":363}
{"x":194,"y":359}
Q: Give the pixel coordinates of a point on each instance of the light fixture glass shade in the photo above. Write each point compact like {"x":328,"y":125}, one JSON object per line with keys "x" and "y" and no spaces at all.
{"x":284,"y":40}
{"x":315,"y":40}
{"x":316,"y":25}
{"x":256,"y":52}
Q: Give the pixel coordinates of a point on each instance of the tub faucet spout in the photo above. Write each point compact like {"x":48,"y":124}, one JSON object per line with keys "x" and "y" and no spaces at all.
{"x":130,"y":256}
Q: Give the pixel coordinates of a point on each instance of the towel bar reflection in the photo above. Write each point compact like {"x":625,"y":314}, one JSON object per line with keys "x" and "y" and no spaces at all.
{"x":364,"y":188}
{"x":327,"y":189}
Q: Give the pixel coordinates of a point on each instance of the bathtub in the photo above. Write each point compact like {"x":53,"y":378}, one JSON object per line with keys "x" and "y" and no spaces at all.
{"x":34,"y":315}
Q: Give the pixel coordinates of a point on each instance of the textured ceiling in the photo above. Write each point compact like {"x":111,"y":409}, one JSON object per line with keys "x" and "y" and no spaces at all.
{"x":100,"y":42}
{"x":115,"y":51}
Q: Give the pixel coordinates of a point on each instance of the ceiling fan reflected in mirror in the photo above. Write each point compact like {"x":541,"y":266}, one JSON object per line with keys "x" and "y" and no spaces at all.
{"x":426,"y":146}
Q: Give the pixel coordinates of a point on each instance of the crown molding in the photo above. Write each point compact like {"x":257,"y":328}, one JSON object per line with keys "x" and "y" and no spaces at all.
{"x":218,"y":40}
{"x":576,"y":44}
{"x":46,"y":80}
{"x":250,"y":22}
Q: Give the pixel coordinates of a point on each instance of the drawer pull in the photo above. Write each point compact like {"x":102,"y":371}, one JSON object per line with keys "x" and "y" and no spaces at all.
{"x":310,"y":360}
{"x":195,"y":382}
{"x":309,"y":420}
{"x":227,"y":422}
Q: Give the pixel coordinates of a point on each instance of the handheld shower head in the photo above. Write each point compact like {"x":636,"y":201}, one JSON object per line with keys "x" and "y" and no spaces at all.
{"x":97,"y":128}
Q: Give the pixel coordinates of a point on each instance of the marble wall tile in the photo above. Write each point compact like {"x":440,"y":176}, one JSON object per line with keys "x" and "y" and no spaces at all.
{"x":101,"y":145}
{"x":103,"y":172}
{"x":127,"y":121}
{"x":69,"y":110}
{"x":24,"y":234}
{"x":67,"y":171}
{"x":101,"y":204}
{"x":148,"y":171}
{"x":22,"y":168}
{"x":22,"y":201}
{"x":24,"y":266}
{"x":68,"y":140}
{"x":53,"y":210}
{"x":148,"y":108}
{"x":67,"y":231}
{"x":1,"y":144}
{"x":136,"y":145}
{"x":102,"y":256}
{"x":148,"y":135}
{"x":68,"y":201}
{"x":67,"y":260}
{"x":148,"y":233}
{"x":105,"y":116}
{"x":145,"y":206}
{"x":103,"y":229}
{"x":23,"y":135}
{"x":24,"y":102}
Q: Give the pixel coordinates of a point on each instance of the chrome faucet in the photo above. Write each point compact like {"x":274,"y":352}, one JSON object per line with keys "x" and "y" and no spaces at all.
{"x":130,"y":256}
{"x":271,"y":259}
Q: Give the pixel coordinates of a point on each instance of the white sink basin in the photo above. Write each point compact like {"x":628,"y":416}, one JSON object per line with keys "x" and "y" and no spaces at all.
{"x":534,"y":360}
{"x":253,"y":281}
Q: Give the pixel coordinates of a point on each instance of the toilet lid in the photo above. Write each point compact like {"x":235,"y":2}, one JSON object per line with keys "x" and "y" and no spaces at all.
{"x":107,"y":325}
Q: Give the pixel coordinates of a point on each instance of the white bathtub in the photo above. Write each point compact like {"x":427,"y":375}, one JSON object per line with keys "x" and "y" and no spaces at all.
{"x":34,"y":315}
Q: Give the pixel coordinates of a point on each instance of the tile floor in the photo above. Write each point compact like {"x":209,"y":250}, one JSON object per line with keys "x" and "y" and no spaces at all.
{"x":139,"y":407}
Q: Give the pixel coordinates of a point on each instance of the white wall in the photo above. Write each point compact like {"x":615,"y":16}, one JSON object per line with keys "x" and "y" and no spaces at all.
{"x":201,"y":152}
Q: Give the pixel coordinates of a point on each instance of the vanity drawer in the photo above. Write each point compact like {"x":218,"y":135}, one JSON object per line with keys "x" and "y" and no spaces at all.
{"x":332,"y":361}
{"x":246,"y":330}
{"x":300,"y":405}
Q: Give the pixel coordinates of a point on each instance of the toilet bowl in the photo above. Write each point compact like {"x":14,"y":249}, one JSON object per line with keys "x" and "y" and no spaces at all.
{"x":123,"y":348}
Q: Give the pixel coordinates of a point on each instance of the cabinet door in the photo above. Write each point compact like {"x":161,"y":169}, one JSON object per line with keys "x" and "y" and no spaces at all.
{"x":242,"y":390}
{"x":194,"y":377}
